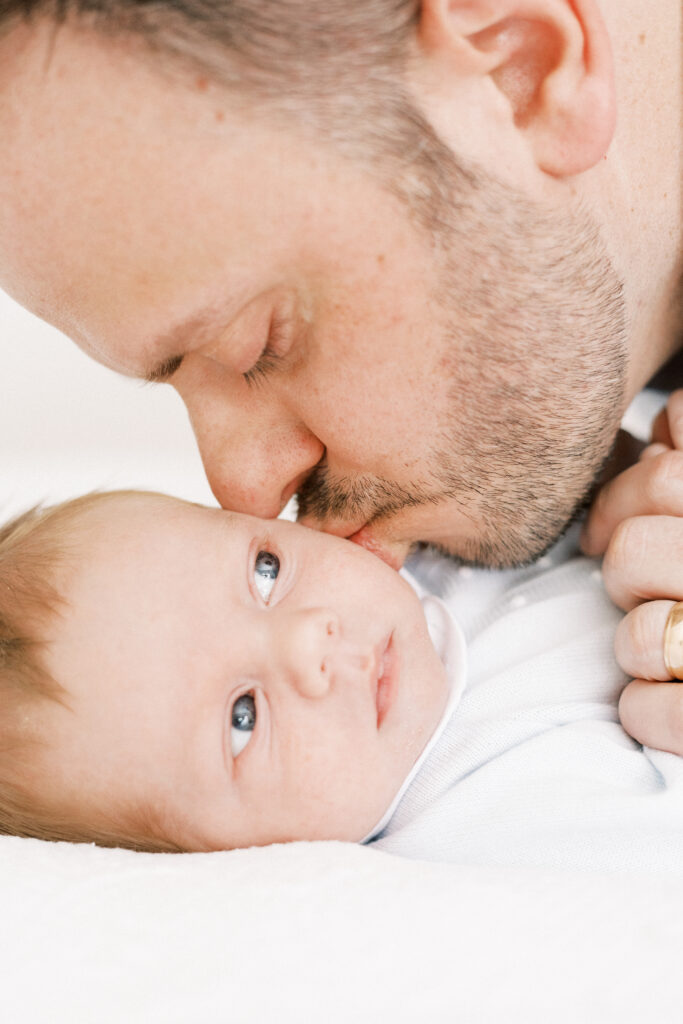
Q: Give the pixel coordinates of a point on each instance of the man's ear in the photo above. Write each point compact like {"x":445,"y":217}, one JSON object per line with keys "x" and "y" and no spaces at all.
{"x":552,"y":61}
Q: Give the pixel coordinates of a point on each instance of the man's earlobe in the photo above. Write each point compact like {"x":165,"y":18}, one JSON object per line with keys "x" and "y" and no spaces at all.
{"x":550,"y":59}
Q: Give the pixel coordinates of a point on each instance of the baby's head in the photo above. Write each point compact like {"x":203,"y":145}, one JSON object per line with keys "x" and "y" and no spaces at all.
{"x":178,"y":677}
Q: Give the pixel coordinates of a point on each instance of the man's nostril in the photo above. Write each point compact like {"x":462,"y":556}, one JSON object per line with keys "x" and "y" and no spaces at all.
{"x":292,"y":487}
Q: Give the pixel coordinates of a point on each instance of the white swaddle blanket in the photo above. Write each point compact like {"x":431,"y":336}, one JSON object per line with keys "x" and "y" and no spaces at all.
{"x":533,"y":766}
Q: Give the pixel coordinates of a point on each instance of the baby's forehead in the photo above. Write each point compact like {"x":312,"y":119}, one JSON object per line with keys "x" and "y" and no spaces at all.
{"x":158,"y":511}
{"x":141,"y":518}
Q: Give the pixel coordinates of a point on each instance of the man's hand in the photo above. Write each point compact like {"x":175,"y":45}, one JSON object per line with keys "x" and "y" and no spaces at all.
{"x":636,"y":521}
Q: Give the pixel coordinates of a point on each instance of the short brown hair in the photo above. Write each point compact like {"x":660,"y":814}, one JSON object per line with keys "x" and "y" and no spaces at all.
{"x":36,"y":549}
{"x":333,"y":69}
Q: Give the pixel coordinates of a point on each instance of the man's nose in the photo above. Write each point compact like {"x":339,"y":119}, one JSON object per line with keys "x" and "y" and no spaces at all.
{"x":306,"y":641}
{"x":255,"y":453}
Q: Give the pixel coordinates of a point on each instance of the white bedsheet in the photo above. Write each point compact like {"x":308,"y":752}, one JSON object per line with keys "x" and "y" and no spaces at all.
{"x":327,"y":932}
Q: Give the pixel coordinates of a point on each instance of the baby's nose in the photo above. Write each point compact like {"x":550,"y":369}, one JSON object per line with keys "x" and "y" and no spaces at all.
{"x":309,"y":638}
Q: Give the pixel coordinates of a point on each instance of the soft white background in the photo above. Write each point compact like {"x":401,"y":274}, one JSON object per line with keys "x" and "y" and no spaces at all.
{"x":68,"y":425}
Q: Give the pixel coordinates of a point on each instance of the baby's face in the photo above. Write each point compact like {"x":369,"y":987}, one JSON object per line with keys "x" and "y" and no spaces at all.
{"x":251,"y":681}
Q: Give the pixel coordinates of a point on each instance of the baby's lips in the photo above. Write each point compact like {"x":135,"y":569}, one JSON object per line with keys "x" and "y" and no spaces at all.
{"x":394,"y":553}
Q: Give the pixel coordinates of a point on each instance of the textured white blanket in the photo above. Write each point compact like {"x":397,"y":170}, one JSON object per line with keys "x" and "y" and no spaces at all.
{"x":327,"y":932}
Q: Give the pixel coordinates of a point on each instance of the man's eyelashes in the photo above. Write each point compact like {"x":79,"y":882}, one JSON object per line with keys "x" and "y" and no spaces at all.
{"x":272,"y":354}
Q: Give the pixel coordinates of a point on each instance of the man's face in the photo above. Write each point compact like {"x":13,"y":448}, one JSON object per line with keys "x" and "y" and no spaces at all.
{"x":407,"y":391}
{"x":250,"y":681}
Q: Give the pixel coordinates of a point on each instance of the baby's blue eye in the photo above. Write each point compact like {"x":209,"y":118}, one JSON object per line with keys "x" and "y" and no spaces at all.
{"x":243,"y":722}
{"x":266,"y":569}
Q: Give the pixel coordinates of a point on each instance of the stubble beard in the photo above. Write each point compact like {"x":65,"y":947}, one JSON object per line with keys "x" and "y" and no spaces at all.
{"x":547,"y":362}
{"x":536,"y":365}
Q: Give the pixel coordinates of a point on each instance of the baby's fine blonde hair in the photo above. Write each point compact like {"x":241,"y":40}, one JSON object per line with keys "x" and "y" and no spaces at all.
{"x":36,"y":550}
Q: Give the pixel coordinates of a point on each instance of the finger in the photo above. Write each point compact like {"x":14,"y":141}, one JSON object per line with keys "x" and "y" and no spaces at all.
{"x":644,"y":561}
{"x":625,"y":451}
{"x":653,"y":449}
{"x":653,"y":714}
{"x":639,"y":641}
{"x":660,"y":429}
{"x":654,"y":486}
{"x":668,"y":425}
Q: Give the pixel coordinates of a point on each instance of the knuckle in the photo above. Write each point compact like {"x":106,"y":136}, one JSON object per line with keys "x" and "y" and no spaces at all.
{"x":674,"y":717}
{"x":635,"y":711}
{"x":674,"y":412}
{"x":664,"y":471}
{"x":599,"y":517}
{"x":628,"y":719}
{"x":626,"y":548}
{"x":639,"y":641}
{"x":601,"y":501}
{"x":638,"y":638}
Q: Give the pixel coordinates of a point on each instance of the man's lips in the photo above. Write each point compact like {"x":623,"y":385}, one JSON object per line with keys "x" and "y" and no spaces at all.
{"x":387,"y":678}
{"x":388,"y":554}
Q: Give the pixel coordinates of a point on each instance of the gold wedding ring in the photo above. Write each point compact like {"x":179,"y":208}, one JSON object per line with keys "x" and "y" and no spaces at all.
{"x":673,"y":642}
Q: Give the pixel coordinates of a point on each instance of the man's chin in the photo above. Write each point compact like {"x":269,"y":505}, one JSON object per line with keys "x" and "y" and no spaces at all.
{"x":506,"y":548}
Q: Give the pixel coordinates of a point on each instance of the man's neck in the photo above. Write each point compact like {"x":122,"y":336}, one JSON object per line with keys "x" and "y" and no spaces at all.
{"x":637,"y":188}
